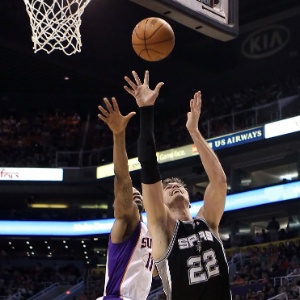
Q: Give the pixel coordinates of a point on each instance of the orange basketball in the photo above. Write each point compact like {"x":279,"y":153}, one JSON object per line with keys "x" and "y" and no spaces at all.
{"x":153,"y":39}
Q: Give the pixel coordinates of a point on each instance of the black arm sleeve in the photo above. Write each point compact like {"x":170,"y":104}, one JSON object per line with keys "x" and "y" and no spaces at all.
{"x":146,"y":147}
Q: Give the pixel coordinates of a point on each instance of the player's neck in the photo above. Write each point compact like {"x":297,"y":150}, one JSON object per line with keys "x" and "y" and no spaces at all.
{"x":181,"y":214}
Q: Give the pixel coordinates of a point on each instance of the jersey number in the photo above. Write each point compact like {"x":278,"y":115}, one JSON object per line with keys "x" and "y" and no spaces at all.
{"x":150,"y":261}
{"x":200,"y":273}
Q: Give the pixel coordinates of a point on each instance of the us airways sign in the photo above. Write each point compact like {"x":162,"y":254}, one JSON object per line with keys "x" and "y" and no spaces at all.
{"x":266,"y":42}
{"x":238,"y":138}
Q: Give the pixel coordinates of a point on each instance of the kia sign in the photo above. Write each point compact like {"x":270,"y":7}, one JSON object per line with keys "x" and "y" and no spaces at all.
{"x":266,"y":42}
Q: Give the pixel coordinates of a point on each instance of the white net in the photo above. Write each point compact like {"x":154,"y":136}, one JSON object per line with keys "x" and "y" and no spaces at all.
{"x":56,"y":24}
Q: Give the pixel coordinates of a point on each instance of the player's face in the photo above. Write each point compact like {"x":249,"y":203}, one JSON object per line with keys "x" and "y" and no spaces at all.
{"x":175,"y":192}
{"x":138,"y":199}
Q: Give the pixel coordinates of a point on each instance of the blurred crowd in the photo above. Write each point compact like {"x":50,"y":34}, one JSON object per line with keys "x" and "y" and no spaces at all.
{"x":20,"y":281}
{"x":266,"y":270}
{"x":35,"y":139}
{"x":257,"y":272}
{"x":32,"y":140}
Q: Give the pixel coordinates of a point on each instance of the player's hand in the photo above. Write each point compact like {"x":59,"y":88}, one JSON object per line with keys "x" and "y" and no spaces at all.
{"x":194,"y":115}
{"x":143,"y":95}
{"x":112,"y":117}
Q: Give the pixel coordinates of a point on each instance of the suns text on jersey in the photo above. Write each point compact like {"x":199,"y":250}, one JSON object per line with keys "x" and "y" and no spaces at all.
{"x":146,"y":242}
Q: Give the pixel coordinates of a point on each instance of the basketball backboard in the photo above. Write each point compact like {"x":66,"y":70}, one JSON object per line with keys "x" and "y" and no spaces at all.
{"x":215,"y":18}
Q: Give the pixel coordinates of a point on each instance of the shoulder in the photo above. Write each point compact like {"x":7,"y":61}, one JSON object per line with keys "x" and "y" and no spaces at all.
{"x":204,"y":225}
{"x":200,"y":220}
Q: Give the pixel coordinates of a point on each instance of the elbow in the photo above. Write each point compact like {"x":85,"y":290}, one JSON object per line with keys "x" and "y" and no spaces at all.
{"x":221,"y":179}
{"x":223,"y":183}
{"x":122,"y":216}
{"x":224,"y":179}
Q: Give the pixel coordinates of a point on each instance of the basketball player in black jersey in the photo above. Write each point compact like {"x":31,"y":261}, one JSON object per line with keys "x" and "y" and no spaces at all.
{"x":188,"y":252}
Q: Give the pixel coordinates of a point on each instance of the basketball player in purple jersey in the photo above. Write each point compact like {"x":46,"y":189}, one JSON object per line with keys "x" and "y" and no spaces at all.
{"x":188,"y":253}
{"x":129,"y":260}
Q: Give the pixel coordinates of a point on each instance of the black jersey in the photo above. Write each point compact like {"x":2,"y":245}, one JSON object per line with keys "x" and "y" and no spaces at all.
{"x":195,"y":266}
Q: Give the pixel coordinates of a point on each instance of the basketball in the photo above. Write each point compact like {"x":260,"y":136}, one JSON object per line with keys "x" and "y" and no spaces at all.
{"x":153,"y":39}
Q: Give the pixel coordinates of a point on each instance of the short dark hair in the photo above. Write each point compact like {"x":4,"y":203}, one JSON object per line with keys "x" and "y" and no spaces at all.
{"x":173,"y":180}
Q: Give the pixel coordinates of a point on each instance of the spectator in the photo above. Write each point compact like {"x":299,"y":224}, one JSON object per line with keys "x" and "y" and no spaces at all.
{"x":264,"y":235}
{"x":258,"y":238}
{"x":273,"y":228}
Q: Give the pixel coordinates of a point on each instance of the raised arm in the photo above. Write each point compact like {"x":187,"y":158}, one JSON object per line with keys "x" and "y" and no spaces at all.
{"x":215,"y":193}
{"x":158,"y":216}
{"x":125,"y":210}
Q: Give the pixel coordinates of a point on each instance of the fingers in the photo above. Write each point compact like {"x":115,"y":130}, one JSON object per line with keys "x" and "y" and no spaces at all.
{"x":138,"y":87}
{"x":146,"y":78}
{"x":101,"y":117}
{"x":104,"y":113}
{"x":196,"y":101}
{"x":137,"y":82}
{"x":130,"y":115}
{"x":115,"y":104}
{"x":197,"y":96}
{"x":128,"y":90}
{"x":158,"y":87}
{"x":108,"y":105}
{"x":109,"y":108}
{"x":137,"y":78}
{"x":130,"y":82}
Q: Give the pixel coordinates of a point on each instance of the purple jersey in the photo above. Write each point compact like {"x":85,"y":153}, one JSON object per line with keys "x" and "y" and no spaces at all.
{"x":129,"y":267}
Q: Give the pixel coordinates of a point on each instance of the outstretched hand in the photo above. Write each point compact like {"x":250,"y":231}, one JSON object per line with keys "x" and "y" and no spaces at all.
{"x":194,"y":115}
{"x":112,"y":117}
{"x":143,"y":95}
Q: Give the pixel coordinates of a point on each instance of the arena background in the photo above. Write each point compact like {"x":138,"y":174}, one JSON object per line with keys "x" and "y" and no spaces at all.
{"x":265,"y":54}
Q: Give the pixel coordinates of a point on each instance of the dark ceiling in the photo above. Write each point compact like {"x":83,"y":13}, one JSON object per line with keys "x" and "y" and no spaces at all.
{"x":197,"y":61}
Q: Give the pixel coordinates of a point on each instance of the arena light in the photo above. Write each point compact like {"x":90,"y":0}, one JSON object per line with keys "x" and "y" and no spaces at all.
{"x":94,"y":206}
{"x":108,"y":170}
{"x":289,"y":176}
{"x":48,"y":205}
{"x":56,"y":228}
{"x":268,"y":195}
{"x":282,"y":127}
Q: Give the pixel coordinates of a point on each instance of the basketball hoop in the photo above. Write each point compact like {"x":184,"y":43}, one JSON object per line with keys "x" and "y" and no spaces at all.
{"x":56,"y":24}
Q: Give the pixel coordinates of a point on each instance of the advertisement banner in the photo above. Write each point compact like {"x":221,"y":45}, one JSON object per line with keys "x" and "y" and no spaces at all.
{"x":237,"y":138}
{"x":282,"y":127}
{"x":31,"y":174}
